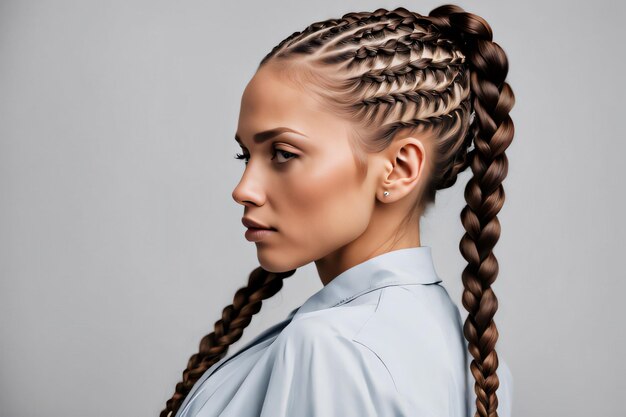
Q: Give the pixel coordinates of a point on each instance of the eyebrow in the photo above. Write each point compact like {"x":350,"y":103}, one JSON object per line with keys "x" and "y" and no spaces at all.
{"x":268,"y":134}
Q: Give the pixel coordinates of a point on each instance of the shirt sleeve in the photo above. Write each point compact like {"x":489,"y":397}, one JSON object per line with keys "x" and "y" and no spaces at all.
{"x":318,"y":372}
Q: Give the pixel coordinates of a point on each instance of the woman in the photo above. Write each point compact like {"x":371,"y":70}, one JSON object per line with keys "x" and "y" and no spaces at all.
{"x":348,"y":129}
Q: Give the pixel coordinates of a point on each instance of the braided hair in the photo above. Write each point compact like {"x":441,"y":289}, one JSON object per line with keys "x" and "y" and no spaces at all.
{"x":390,"y":73}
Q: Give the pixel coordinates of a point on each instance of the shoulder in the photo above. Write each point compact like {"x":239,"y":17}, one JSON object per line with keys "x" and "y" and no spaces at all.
{"x":330,"y":331}
{"x":421,"y":312}
{"x":317,"y":369}
{"x":416,"y":332}
{"x":335,"y":323}
{"x":323,"y":343}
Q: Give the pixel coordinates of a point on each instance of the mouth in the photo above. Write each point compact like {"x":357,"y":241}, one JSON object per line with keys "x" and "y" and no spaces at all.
{"x":254,"y":229}
{"x":254,"y":225}
{"x":257,"y":231}
{"x":255,"y":234}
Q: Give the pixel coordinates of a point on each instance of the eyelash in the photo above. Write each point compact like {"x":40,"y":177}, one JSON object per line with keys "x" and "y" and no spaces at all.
{"x":242,"y":156}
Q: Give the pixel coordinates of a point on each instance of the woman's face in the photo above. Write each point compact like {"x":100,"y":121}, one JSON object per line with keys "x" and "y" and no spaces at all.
{"x":302,"y":180}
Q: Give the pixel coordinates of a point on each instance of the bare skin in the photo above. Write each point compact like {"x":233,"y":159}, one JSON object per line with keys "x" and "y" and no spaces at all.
{"x":307,"y":186}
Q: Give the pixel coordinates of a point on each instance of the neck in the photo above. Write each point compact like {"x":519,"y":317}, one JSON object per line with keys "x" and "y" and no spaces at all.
{"x":380,"y":237}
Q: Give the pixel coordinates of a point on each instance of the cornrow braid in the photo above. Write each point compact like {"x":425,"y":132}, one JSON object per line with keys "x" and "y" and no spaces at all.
{"x":398,"y":72}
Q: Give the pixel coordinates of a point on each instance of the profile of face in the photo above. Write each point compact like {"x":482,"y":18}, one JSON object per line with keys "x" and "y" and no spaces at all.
{"x":301,"y":178}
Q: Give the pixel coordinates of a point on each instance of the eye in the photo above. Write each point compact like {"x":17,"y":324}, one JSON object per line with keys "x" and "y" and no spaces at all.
{"x":285,"y":154}
{"x":280,"y":151}
{"x":242,"y":156}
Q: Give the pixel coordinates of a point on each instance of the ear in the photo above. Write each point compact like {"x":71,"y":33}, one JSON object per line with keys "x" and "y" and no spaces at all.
{"x":404,"y":162}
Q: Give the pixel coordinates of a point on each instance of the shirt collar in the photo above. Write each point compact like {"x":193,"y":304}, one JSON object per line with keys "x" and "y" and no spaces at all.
{"x":407,"y":266}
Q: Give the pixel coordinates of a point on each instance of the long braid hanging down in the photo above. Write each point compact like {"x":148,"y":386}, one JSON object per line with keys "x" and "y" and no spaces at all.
{"x":390,"y":72}
{"x":493,"y":101}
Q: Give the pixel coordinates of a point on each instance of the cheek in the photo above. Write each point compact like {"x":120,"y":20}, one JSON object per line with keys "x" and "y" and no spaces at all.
{"x":326,"y":205}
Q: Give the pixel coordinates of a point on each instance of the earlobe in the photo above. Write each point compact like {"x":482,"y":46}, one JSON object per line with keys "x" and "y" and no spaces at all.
{"x":385,"y":197}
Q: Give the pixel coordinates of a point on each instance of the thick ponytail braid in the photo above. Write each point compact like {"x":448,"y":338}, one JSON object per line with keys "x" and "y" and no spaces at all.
{"x":493,"y":132}
{"x":235,"y":318}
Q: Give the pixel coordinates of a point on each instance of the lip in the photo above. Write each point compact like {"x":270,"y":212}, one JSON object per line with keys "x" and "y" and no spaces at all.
{"x":251,"y":224}
{"x":256,"y":231}
{"x":256,"y":235}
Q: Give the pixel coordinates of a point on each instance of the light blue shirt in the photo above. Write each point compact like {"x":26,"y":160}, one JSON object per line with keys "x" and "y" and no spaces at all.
{"x":383,"y":338}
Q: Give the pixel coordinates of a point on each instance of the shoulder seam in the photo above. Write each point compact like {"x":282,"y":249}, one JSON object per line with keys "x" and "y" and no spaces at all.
{"x":354,"y":339}
{"x":380,"y":296}
{"x":381,"y":361}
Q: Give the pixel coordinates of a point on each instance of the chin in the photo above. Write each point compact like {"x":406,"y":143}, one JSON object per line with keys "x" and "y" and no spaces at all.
{"x":275,"y":262}
{"x":274,"y":267}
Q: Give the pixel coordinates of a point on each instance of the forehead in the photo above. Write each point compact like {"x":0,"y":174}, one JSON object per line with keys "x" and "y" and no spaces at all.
{"x":271,"y":100}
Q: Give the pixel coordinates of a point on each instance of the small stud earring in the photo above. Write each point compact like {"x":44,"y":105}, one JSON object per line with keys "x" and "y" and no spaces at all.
{"x":386,"y":193}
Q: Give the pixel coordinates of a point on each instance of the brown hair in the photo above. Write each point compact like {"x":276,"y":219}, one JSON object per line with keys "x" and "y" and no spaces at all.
{"x":398,"y":71}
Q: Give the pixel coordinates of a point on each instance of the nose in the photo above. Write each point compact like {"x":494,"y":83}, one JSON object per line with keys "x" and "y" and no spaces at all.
{"x":248,"y":192}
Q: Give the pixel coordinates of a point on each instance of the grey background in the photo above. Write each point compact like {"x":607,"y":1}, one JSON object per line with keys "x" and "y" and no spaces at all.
{"x":120,"y":243}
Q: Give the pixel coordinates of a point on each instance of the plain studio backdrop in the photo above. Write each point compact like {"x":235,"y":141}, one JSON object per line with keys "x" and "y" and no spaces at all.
{"x":120,"y":243}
